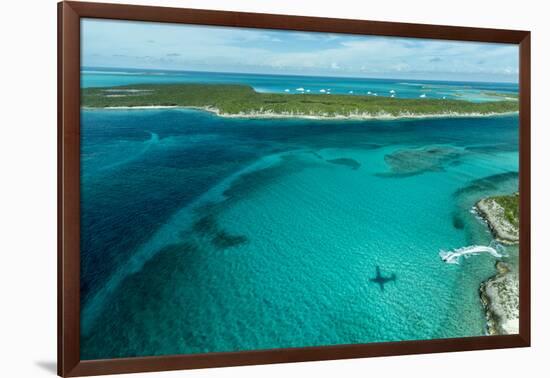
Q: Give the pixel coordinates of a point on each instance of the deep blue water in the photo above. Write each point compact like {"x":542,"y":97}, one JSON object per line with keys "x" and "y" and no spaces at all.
{"x":203,"y":234}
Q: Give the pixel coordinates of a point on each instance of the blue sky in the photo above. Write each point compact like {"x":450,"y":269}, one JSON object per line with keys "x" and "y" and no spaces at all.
{"x":144,"y":45}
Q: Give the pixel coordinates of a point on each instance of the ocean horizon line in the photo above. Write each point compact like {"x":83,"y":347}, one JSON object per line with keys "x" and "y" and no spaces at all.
{"x":83,"y":69}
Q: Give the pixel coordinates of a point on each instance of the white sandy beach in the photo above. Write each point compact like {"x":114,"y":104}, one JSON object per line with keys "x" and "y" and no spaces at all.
{"x":352,"y":116}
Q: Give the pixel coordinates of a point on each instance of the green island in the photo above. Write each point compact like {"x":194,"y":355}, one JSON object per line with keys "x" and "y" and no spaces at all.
{"x":502,"y":216}
{"x":510,"y":204}
{"x":243,"y":101}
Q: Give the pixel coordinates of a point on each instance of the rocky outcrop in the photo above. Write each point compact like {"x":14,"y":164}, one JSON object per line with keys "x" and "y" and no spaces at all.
{"x":494,"y":213}
{"x":500,"y":298}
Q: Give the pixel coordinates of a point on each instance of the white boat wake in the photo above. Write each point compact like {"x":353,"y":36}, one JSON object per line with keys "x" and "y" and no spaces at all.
{"x":453,"y":257}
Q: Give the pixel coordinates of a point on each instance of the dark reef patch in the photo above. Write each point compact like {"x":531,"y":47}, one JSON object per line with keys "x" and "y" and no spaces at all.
{"x":317,"y":155}
{"x":458,"y":222}
{"x":409,"y":162}
{"x":208,"y":227}
{"x":224,"y":240}
{"x":353,"y":164}
{"x":491,"y":184}
{"x":205,"y":225}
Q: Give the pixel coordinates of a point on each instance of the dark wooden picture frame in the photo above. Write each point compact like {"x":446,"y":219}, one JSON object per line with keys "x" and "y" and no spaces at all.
{"x":69,"y":15}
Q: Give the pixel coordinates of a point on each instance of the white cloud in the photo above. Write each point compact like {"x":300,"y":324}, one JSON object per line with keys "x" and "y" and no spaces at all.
{"x":218,"y":49}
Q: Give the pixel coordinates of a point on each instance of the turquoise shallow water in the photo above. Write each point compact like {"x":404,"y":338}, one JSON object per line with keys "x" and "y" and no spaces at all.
{"x":293,"y":84}
{"x":204,"y":234}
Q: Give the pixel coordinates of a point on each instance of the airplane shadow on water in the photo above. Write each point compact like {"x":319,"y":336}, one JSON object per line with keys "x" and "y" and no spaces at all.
{"x":381,"y":280}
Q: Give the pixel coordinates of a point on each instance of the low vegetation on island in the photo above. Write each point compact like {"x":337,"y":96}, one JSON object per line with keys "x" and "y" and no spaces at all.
{"x":244,"y":101}
{"x":502,"y":216}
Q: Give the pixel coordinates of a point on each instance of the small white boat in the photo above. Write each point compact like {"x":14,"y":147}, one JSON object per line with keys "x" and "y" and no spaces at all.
{"x":423,"y":95}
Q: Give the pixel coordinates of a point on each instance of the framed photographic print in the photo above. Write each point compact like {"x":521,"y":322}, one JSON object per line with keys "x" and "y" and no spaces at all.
{"x":239,"y":188}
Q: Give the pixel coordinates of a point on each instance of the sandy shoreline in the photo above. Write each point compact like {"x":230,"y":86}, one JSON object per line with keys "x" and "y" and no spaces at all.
{"x":272,"y":115}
